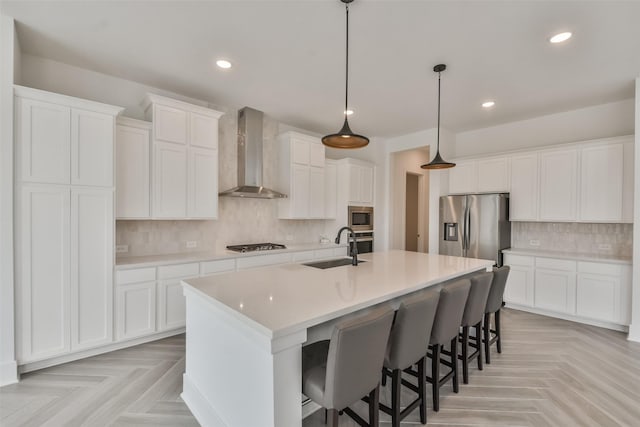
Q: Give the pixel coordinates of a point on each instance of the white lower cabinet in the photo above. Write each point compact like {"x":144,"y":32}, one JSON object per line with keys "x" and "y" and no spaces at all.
{"x":136,"y":310}
{"x":585,"y":291}
{"x":171,"y":305}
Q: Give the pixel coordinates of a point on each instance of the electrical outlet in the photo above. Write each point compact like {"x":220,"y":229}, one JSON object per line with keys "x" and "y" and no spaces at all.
{"x":533,"y":242}
{"x":121,"y":249}
{"x":604,"y":247}
{"x":192,"y":244}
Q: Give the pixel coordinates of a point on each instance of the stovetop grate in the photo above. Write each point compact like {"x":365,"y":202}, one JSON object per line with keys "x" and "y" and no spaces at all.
{"x":251,"y":247}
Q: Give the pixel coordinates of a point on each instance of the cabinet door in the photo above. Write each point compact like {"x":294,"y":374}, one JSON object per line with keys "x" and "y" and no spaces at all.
{"x":203,"y":131}
{"x":316,"y":192}
{"x":300,"y":151}
{"x":598,"y":297}
{"x":92,"y":264}
{"x":44,"y":141}
{"x":171,"y":305}
{"x":558,"y":179}
{"x":170,"y":181}
{"x":202,"y":186}
{"x":300,"y":181}
{"x":493,"y":175}
{"x":555,"y":291}
{"x":169,"y":124}
{"x":366,"y":186}
{"x":91,"y":148}
{"x":627,"y":183}
{"x":316,"y":154}
{"x":601,"y":183}
{"x":355,"y":184}
{"x":132,"y":172}
{"x":330,"y":190}
{"x":463,"y":178}
{"x":43,"y":272}
{"x":136,"y":310}
{"x":519,"y":289}
{"x":523,"y":203}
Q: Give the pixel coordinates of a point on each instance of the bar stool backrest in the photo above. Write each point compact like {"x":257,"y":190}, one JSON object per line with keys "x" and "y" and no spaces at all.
{"x":477,"y":301}
{"x":496,"y":294}
{"x":356,"y":354}
{"x":411,"y":329}
{"x":448,"y":318}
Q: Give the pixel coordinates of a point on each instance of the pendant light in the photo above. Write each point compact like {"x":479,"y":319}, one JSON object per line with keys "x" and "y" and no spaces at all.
{"x":345,"y":138}
{"x":438,"y":162}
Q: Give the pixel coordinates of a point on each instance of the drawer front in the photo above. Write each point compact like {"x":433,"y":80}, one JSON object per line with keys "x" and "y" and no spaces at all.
{"x":340,"y":252}
{"x":600,"y":268}
{"x":325,"y":253}
{"x":556,"y":264}
{"x":262,"y":260}
{"x":303,"y":256}
{"x":179,"y":270}
{"x":525,"y":261}
{"x":212,"y":267}
{"x":135,"y":275}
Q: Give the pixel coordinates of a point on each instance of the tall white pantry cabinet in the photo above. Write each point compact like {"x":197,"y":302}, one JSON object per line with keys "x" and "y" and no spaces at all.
{"x":65,"y":223}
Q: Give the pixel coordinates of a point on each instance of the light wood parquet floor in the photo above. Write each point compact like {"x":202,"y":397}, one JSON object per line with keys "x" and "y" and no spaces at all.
{"x":550,"y":373}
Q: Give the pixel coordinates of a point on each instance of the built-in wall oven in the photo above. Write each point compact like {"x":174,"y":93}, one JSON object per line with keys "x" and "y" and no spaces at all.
{"x":361,"y":222}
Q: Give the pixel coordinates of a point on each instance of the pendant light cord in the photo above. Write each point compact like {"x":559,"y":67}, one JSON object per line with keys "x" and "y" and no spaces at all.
{"x":346,"y":85}
{"x":438,"y":140}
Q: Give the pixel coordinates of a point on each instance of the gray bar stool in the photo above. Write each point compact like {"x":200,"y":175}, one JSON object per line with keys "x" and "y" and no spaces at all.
{"x":494,"y":304}
{"x":472,"y":317}
{"x":339,"y":372}
{"x":446,"y":327}
{"x":407,"y":346}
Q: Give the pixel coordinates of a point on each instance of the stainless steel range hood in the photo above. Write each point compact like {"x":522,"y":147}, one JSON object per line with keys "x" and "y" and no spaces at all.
{"x":250,"y":158}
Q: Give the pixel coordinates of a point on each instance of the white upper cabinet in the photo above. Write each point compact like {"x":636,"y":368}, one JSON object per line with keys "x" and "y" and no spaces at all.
{"x":184,"y":181}
{"x":627,"y":181}
{"x":330,"y":189}
{"x":523,"y":203}
{"x":493,"y":175}
{"x":463,"y":178}
{"x":63,"y":140}
{"x":91,"y":148}
{"x":132,"y":168}
{"x":301,"y":177}
{"x":361,"y":184}
{"x":601,"y":178}
{"x":558,"y":185}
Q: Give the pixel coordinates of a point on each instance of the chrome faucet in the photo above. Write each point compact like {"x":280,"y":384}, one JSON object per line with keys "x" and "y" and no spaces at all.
{"x":353,"y":251}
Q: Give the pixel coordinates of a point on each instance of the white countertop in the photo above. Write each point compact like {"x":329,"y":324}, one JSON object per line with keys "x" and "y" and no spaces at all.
{"x":123,"y":263}
{"x":570,"y":255}
{"x":283,"y":299}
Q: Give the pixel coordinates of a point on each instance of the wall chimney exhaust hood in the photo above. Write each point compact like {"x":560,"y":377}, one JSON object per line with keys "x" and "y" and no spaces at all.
{"x":250,"y":158}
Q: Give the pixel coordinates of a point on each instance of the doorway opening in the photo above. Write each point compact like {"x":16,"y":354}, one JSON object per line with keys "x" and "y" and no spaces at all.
{"x":412,"y":197}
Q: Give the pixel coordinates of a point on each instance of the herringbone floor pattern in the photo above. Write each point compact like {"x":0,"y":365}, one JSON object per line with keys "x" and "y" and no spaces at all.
{"x":551,"y":373}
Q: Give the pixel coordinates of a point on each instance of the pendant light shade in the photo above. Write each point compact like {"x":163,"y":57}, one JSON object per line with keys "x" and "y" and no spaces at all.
{"x":345,"y":138}
{"x":438,"y":162}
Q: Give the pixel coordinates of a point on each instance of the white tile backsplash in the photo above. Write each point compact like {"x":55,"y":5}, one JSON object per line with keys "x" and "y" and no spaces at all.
{"x":601,"y":239}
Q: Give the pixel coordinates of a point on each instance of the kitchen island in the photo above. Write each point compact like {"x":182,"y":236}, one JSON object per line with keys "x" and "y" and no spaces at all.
{"x":245,"y":330}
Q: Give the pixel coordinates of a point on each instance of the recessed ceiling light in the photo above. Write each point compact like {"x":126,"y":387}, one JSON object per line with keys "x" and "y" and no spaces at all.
{"x":559,"y":38}
{"x":223,"y":63}
{"x":488,"y":104}
{"x":348,"y":112}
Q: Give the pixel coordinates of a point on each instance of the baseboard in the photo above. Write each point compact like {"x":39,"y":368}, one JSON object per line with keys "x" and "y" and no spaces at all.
{"x":8,"y":372}
{"x":53,"y":361}
{"x":634,"y":332}
{"x":598,"y":323}
{"x":198,"y":405}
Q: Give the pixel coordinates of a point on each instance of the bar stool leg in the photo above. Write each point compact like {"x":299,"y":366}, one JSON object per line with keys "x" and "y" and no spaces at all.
{"x":422,"y":392}
{"x":435,"y":376}
{"x":478,"y":329}
{"x":465,"y":354}
{"x":395,"y":397}
{"x":454,"y":362}
{"x":498,"y":341}
{"x":333,"y":417}
{"x":487,"y":337}
{"x":374,"y":401}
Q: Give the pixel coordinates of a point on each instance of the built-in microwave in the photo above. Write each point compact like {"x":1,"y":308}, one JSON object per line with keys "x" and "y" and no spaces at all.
{"x":361,"y":218}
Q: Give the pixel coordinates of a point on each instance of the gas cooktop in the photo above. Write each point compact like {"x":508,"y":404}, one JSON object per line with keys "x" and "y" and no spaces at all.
{"x":250,"y":247}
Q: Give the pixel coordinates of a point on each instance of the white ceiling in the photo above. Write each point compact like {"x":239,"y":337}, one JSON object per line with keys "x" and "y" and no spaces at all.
{"x":288,"y":56}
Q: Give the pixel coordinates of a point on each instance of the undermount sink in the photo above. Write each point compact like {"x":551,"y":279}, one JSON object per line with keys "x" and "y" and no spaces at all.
{"x":331,"y":263}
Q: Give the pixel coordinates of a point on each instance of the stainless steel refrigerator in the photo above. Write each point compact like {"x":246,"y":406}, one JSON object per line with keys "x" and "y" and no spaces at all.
{"x":475,"y":225}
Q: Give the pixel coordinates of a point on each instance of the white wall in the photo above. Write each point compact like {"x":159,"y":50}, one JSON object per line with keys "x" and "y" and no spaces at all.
{"x":600,"y":121}
{"x":9,"y":53}
{"x":634,"y":328}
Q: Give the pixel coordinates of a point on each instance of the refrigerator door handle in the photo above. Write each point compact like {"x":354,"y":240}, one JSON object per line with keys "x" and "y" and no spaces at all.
{"x":467,"y":226}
